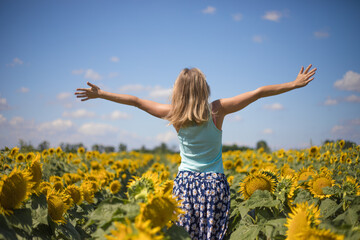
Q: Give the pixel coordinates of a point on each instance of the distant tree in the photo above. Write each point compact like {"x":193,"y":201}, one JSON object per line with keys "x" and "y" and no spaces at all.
{"x":109,"y":149}
{"x":122,"y":147}
{"x":348,"y":144}
{"x":26,"y":147}
{"x":43,"y":145}
{"x":262,"y":144}
{"x":234,"y":147}
{"x":67,"y":147}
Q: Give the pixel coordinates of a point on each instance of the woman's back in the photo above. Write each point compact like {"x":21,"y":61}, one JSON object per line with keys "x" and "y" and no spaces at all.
{"x":201,"y":148}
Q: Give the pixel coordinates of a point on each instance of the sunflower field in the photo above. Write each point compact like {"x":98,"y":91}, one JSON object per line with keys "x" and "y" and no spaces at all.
{"x":294,"y":194}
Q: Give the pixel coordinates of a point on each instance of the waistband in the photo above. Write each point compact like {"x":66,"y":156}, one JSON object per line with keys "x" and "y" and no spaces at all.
{"x":201,"y":175}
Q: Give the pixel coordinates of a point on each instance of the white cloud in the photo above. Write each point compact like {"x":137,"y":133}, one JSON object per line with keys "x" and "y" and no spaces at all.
{"x":274,"y":106}
{"x":352,"y":98}
{"x":63,"y":95}
{"x":80,"y":113}
{"x":273,"y":16}
{"x":97,"y":129}
{"x":209,"y":10}
{"x":24,"y":90}
{"x":159,"y":92}
{"x":132,"y":88}
{"x":116,"y":115}
{"x":153,"y":91}
{"x":268,"y":131}
{"x":113,"y":74}
{"x":114,"y":59}
{"x":2,"y":119}
{"x":77,"y":71}
{"x":235,"y":118}
{"x":91,"y":74}
{"x":166,"y":137}
{"x":350,"y":82}
{"x":16,"y":61}
{"x":237,"y":17}
{"x":355,"y":121}
{"x":330,"y":101}
{"x":56,"y":125}
{"x":3,"y":104}
{"x":337,"y":128}
{"x":258,"y":39}
{"x":15,"y":121}
{"x":322,"y":34}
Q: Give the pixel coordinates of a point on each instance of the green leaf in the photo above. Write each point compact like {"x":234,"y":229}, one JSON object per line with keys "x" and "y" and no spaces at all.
{"x":177,"y":233}
{"x":275,"y":227}
{"x":261,"y":198}
{"x":68,"y":230}
{"x":350,"y":217}
{"x":5,"y":230}
{"x":246,"y":232}
{"x":328,"y":207}
{"x":21,"y":219}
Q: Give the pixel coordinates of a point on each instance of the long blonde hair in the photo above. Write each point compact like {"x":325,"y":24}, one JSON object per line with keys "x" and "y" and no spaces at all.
{"x":190,"y":99}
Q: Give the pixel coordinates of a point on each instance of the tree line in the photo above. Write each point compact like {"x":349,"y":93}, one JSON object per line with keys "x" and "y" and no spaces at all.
{"x":162,"y":148}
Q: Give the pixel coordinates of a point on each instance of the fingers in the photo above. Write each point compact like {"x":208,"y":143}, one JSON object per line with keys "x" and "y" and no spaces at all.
{"x":92,"y":85}
{"x":83,"y":89}
{"x":307,"y":69}
{"x":301,"y":70}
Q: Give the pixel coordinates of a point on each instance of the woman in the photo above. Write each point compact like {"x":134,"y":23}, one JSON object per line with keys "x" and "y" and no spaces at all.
{"x":200,"y":181}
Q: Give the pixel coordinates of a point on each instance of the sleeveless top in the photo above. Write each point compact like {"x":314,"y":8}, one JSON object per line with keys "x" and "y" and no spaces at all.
{"x":201,"y":148}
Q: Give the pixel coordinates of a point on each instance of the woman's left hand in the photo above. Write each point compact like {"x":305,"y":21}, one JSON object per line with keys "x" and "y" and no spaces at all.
{"x":88,"y":93}
{"x":304,"y":77}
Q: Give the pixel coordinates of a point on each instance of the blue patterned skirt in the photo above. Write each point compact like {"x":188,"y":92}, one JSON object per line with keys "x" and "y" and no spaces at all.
{"x":206,"y":202}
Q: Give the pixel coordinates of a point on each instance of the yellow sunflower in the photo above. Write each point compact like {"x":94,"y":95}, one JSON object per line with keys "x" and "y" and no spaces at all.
{"x":141,"y":231}
{"x":160,"y":209}
{"x":228,"y":164}
{"x":319,"y":234}
{"x":81,"y":150}
{"x":313,"y":150}
{"x":57,"y":205}
{"x":256,"y":181}
{"x":58,"y":151}
{"x":88,"y":192}
{"x":36,"y":174}
{"x":115,"y":186}
{"x":45,"y":188}
{"x":13,"y":152}
{"x":342,"y":143}
{"x":317,"y":184}
{"x":20,"y":157}
{"x":305,"y":173}
{"x":75,"y":193}
{"x":30,"y":156}
{"x":287,"y":171}
{"x":303,"y":216}
{"x":14,"y":190}
{"x":140,"y":187}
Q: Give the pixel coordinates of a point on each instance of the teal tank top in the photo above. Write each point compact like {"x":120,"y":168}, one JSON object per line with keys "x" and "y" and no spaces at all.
{"x":201,"y":148}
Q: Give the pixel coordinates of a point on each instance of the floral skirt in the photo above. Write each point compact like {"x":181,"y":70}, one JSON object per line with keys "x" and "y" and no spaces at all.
{"x":206,"y":203}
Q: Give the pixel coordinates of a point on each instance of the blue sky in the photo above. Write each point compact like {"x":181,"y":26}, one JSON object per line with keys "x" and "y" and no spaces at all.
{"x":50,"y":48}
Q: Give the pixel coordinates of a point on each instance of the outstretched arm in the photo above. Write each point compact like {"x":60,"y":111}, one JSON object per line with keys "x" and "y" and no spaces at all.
{"x":234,"y":104}
{"x":156,"y":109}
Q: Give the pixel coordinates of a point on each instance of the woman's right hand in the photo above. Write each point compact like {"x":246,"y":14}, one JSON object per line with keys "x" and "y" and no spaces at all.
{"x":304,"y":77}
{"x":88,"y":93}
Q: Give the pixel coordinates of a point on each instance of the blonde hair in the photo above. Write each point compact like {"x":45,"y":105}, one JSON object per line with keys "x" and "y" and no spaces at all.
{"x":189,"y":101}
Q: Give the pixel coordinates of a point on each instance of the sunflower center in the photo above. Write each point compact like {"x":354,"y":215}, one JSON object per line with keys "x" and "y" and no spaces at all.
{"x":258,"y":183}
{"x":56,"y":207}
{"x":305,"y":175}
{"x":13,"y":191}
{"x":320,"y":183}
